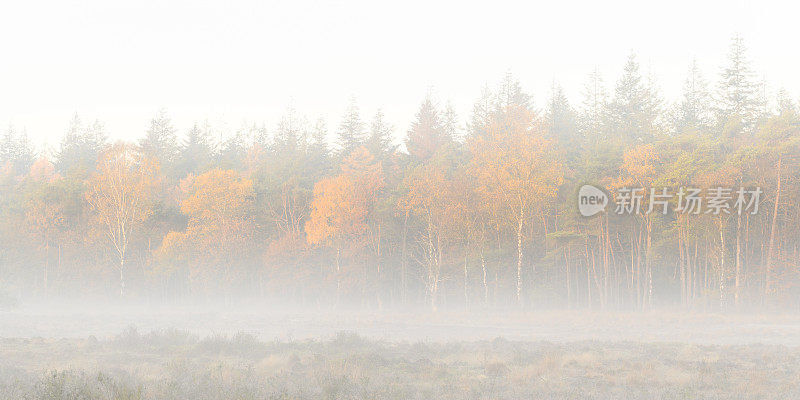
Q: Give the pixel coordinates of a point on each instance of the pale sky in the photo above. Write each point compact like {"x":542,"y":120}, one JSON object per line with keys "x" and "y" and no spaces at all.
{"x":246,"y":61}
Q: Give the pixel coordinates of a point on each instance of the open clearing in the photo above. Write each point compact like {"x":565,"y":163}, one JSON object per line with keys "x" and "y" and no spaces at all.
{"x":177,"y":365}
{"x":246,"y":354}
{"x":555,"y":326}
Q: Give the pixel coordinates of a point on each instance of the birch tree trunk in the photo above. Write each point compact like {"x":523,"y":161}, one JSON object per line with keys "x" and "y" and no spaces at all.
{"x":485,"y":285}
{"x":519,"y":256}
{"x":772,"y":232}
{"x":737,"y":283}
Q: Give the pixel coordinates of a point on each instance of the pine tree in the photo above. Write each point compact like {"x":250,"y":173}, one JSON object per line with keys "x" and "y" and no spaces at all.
{"x":25,"y":155}
{"x":511,"y":94}
{"x":634,"y":109}
{"x":7,"y":146}
{"x":257,"y":135}
{"x":481,"y":114}
{"x":450,"y":123}
{"x":160,"y":142}
{"x":291,"y":133}
{"x":694,"y":110}
{"x":561,"y":118}
{"x":380,"y":140}
{"x":595,"y":103}
{"x":16,"y":152}
{"x":762,"y":102}
{"x":195,"y":153}
{"x":319,"y":136}
{"x":95,"y":140}
{"x":351,"y":130}
{"x":737,"y":95}
{"x":785,"y":104}
{"x":427,"y":133}
{"x":319,"y":153}
{"x":232,"y":151}
{"x":80,"y":148}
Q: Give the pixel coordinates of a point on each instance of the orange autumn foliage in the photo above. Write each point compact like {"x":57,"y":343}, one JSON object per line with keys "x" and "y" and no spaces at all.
{"x":342,"y":204}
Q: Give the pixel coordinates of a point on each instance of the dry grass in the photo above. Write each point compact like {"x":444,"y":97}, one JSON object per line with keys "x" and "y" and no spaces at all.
{"x":176,"y":365}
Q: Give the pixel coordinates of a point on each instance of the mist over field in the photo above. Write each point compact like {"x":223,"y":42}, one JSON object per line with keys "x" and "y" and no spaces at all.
{"x":619,"y":236}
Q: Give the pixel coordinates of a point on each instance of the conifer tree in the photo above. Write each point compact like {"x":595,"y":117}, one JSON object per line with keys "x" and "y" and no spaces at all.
{"x":694,"y":110}
{"x":634,"y":109}
{"x":380,"y":141}
{"x":160,"y":141}
{"x":195,"y":152}
{"x":737,"y":94}
{"x":481,"y":114}
{"x":595,"y":103}
{"x":427,"y":133}
{"x":351,"y":129}
{"x":512,"y":95}
{"x":16,"y":152}
{"x":80,"y":148}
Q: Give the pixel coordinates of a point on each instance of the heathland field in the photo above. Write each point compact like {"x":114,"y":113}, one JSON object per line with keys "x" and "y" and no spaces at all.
{"x":467,"y":361}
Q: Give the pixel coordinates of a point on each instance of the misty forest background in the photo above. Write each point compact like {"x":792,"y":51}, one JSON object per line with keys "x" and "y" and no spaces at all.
{"x":470,"y":213}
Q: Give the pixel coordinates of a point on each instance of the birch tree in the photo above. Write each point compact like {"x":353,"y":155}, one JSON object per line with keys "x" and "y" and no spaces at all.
{"x":120,"y":194}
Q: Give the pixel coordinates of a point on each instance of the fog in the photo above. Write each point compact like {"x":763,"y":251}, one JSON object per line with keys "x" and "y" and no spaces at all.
{"x":292,"y":323}
{"x":307,"y":201}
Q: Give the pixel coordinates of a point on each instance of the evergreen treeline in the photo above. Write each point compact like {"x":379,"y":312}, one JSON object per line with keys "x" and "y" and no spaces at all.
{"x":475,"y":212}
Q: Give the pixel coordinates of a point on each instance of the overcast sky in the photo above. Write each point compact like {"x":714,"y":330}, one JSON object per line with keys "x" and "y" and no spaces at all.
{"x":245,"y":61}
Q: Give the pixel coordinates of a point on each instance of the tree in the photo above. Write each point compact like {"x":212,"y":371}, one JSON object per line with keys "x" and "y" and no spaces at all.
{"x":44,"y":212}
{"x":292,"y":133}
{"x":427,"y":133}
{"x":284,"y":183}
{"x":351,"y":129}
{"x":450,"y":124}
{"x":518,"y":168}
{"x":639,"y":170}
{"x":562,"y":123}
{"x":595,"y":102}
{"x":786,"y":106}
{"x":160,"y":141}
{"x":686,"y":161}
{"x":694,"y":110}
{"x":511,"y":96}
{"x":633,"y":112}
{"x":342,"y":206}
{"x":778,"y":147}
{"x":432,"y":197}
{"x":80,"y":148}
{"x":232,"y":151}
{"x":481,"y":113}
{"x":120,"y":194}
{"x":221,"y":223}
{"x":319,"y":136}
{"x":194,"y":155}
{"x":380,"y":141}
{"x":287,"y":176}
{"x":737,"y":102}
{"x":255,"y":135}
{"x":16,"y":152}
{"x":319,"y":154}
